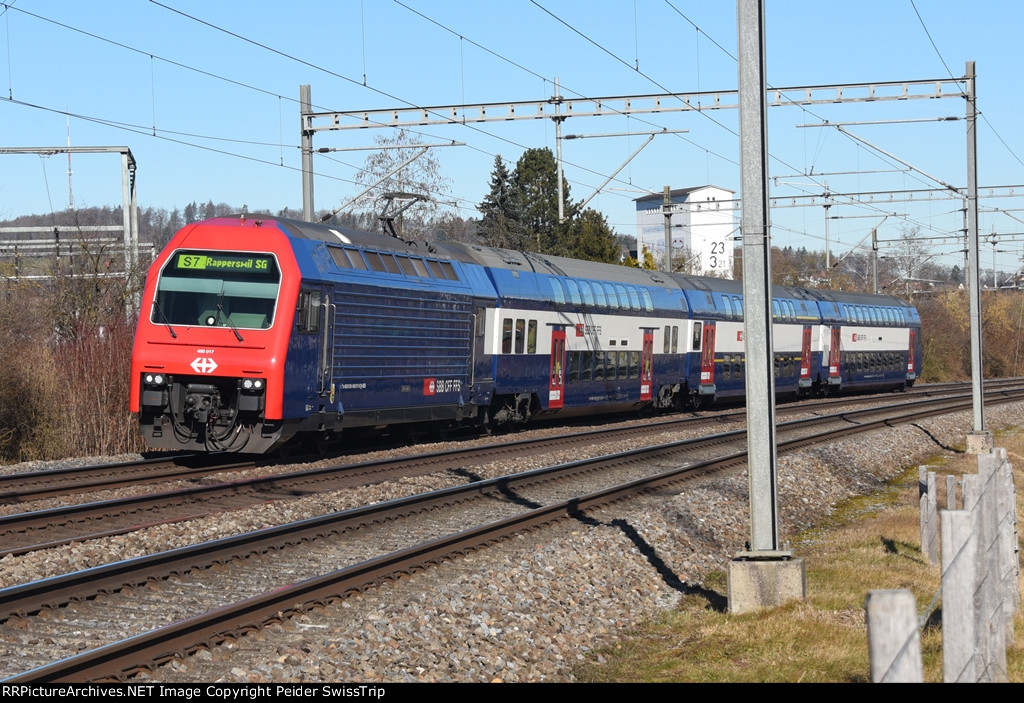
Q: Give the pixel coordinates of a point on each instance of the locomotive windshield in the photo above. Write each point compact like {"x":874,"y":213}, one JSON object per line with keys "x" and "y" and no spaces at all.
{"x":214,"y":288}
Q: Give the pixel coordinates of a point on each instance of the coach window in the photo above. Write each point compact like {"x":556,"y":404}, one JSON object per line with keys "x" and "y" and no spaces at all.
{"x":668,"y":334}
{"x":648,"y":300}
{"x":588,"y":293}
{"x":675,"y":339}
{"x":520,"y":335}
{"x":613,"y":299}
{"x":506,"y":336}
{"x":623,"y":296}
{"x":574,"y":291}
{"x":531,"y":337}
{"x":624,"y":365}
{"x":634,"y":298}
{"x":728,"y":306}
{"x":586,"y":366}
{"x":599,"y":295}
{"x":696,"y":336}
{"x":556,"y":291}
{"x":574,"y":367}
{"x":599,"y":366}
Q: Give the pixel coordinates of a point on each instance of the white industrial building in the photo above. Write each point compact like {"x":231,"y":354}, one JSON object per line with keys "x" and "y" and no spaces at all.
{"x":703,"y":225}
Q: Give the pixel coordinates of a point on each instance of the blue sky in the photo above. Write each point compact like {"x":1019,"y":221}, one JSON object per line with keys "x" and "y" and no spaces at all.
{"x":205,"y":95}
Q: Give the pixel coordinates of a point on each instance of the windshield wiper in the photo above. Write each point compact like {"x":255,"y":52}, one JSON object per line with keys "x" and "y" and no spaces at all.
{"x":164,"y":318}
{"x":220,"y":307}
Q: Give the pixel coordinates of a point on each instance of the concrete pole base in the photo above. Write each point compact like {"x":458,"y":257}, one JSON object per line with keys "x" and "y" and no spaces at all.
{"x":757,"y":582}
{"x":980,"y":442}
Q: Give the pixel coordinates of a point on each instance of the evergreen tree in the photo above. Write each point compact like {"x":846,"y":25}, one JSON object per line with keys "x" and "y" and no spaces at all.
{"x":536,"y":185}
{"x":590,"y":237}
{"x":501,"y":224}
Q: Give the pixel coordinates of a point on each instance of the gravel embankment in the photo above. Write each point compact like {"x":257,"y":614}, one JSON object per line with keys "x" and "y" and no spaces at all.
{"x":534,"y":607}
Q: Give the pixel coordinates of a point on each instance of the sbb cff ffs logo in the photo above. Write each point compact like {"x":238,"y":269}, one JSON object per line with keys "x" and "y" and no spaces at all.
{"x":433,"y":386}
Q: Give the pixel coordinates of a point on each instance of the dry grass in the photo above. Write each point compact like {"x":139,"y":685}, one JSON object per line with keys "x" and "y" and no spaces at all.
{"x":871,"y":543}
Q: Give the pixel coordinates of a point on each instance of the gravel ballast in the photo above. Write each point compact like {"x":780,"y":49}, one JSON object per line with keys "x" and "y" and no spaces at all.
{"x":536,"y":606}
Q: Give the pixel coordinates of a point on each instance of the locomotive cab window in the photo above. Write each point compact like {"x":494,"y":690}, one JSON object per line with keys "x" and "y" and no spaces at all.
{"x":217,"y":289}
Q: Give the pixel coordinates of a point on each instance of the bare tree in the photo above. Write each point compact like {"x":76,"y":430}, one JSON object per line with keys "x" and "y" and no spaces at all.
{"x":421,"y":182}
{"x":908,"y":257}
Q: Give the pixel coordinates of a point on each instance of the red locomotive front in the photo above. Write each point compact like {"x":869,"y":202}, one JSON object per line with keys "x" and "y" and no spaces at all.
{"x":209,"y":353}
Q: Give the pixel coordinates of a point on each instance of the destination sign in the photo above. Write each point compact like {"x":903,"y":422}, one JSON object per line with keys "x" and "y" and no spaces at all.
{"x":222,"y":262}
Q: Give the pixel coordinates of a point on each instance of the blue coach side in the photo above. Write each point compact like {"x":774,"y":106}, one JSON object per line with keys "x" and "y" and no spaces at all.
{"x":868,"y":342}
{"x":569,"y":337}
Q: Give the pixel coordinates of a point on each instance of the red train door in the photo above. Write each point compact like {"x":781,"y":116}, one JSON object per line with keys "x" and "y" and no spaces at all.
{"x":834,"y":356}
{"x":911,"y":371}
{"x":805,"y":358}
{"x":707,"y":358}
{"x":647,"y":365}
{"x":556,"y":389}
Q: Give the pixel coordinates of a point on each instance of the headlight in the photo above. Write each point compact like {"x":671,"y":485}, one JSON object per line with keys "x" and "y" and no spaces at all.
{"x":154,"y":379}
{"x":252,"y":384}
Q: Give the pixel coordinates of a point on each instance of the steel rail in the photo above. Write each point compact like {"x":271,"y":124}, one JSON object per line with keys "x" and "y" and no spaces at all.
{"x":26,"y":532}
{"x":35,"y":485}
{"x":108,"y":661}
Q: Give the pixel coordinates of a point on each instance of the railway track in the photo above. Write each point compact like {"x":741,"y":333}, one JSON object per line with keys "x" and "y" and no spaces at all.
{"x":25,"y":487}
{"x":21,"y":533}
{"x":462,"y":530}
